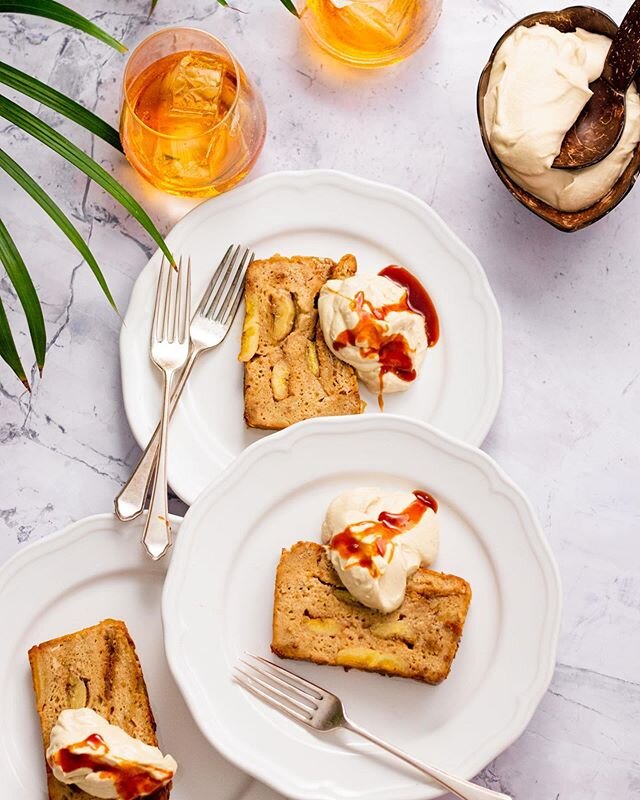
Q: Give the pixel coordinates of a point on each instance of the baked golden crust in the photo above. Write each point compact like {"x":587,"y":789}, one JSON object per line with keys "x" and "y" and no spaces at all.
{"x":96,"y":668}
{"x":290,"y":374}
{"x":316,"y":619}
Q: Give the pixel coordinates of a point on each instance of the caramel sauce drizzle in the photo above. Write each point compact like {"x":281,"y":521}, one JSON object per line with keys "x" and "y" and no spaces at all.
{"x":370,"y":336}
{"x":350,"y":543}
{"x":417,"y":299}
{"x":131,"y":780}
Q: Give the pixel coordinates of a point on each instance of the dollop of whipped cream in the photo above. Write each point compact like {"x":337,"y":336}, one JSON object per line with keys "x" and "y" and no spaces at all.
{"x":366,"y":321}
{"x":103,"y":760}
{"x":376,"y":540}
{"x":538,"y":86}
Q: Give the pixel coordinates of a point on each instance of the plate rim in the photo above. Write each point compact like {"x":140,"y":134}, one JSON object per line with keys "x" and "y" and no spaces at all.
{"x":478,"y":280}
{"x":32,"y":552}
{"x":52,"y":541}
{"x":285,"y":440}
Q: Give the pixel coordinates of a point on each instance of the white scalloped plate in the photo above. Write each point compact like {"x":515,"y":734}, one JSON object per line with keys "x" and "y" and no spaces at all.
{"x":327,"y":214}
{"x":94,"y":569}
{"x":217,"y":604}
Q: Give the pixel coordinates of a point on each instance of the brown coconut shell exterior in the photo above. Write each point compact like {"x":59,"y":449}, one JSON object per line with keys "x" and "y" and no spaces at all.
{"x":591,"y":19}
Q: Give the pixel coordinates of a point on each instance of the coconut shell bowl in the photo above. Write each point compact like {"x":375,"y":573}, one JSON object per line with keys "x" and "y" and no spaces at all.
{"x":595,"y":21}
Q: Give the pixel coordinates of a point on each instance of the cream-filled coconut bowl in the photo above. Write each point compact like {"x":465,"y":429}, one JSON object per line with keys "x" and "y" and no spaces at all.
{"x":525,"y":136}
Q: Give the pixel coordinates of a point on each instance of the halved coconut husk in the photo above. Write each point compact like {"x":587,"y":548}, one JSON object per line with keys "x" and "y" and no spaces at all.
{"x":595,"y":21}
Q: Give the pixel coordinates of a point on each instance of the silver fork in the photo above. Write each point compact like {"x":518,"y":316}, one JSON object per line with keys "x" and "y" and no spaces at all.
{"x":311,"y":705}
{"x":210,"y":324}
{"x":169,"y":351}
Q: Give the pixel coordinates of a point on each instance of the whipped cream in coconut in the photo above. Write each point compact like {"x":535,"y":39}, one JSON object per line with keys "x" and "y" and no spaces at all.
{"x":538,"y":86}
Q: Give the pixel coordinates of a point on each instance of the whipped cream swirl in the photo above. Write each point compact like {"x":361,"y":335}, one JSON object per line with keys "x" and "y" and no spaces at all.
{"x":538,"y":86}
{"x":101,"y":759}
{"x":376,"y":540}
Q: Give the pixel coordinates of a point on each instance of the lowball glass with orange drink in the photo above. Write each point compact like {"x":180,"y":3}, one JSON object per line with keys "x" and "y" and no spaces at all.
{"x":370,"y":33}
{"x":192,"y":122}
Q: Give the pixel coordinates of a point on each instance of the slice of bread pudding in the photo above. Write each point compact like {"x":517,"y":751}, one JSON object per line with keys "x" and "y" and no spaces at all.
{"x":290,"y":373}
{"x":316,"y":619}
{"x":96,"y":668}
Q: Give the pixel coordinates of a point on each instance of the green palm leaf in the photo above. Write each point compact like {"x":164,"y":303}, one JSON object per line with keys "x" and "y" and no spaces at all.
{"x":47,"y":135}
{"x":21,"y":280}
{"x":288,"y":4}
{"x":39,"y":91}
{"x":8,"y":350}
{"x":53,"y":10}
{"x":45,"y":202}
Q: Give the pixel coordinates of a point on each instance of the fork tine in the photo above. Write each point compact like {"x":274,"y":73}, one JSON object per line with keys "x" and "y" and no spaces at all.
{"x":222,"y":266}
{"x":248,"y":684}
{"x":167,"y":302}
{"x":172,"y":295}
{"x":317,"y":690}
{"x":186,"y":305}
{"x":275,"y":679}
{"x":258,"y":678}
{"x":230,"y":288}
{"x":155,"y":327}
{"x":238,"y":295}
{"x":177,"y":319}
{"x":220,"y":287}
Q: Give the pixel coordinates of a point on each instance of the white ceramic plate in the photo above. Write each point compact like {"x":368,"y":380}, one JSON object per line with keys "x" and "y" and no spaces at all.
{"x":217,"y":604}
{"x":326,"y":214}
{"x":92,"y":570}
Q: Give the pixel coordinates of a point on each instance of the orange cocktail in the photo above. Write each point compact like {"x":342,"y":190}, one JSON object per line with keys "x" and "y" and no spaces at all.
{"x":371,"y":33}
{"x":192,"y":123}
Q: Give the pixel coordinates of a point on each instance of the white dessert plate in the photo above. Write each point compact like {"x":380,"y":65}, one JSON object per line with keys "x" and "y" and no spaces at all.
{"x":218,"y":600}
{"x":319,"y":213}
{"x":94,"y":569}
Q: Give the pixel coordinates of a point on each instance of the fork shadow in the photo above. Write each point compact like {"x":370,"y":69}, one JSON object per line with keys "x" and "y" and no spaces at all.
{"x":359,"y":748}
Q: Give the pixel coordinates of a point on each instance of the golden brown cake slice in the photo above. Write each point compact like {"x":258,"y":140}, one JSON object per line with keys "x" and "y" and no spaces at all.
{"x":316,"y":619}
{"x":290,"y":373}
{"x":96,"y":668}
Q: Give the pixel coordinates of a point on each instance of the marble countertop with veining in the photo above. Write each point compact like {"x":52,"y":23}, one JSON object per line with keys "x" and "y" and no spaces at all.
{"x":568,"y":430}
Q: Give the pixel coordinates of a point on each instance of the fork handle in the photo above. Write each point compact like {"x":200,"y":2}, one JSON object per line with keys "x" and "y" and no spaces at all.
{"x":157,"y":529}
{"x":129,"y":503}
{"x":460,"y":788}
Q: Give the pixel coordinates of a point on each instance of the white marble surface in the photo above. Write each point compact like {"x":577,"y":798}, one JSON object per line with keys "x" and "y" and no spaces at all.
{"x":568,"y":428}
